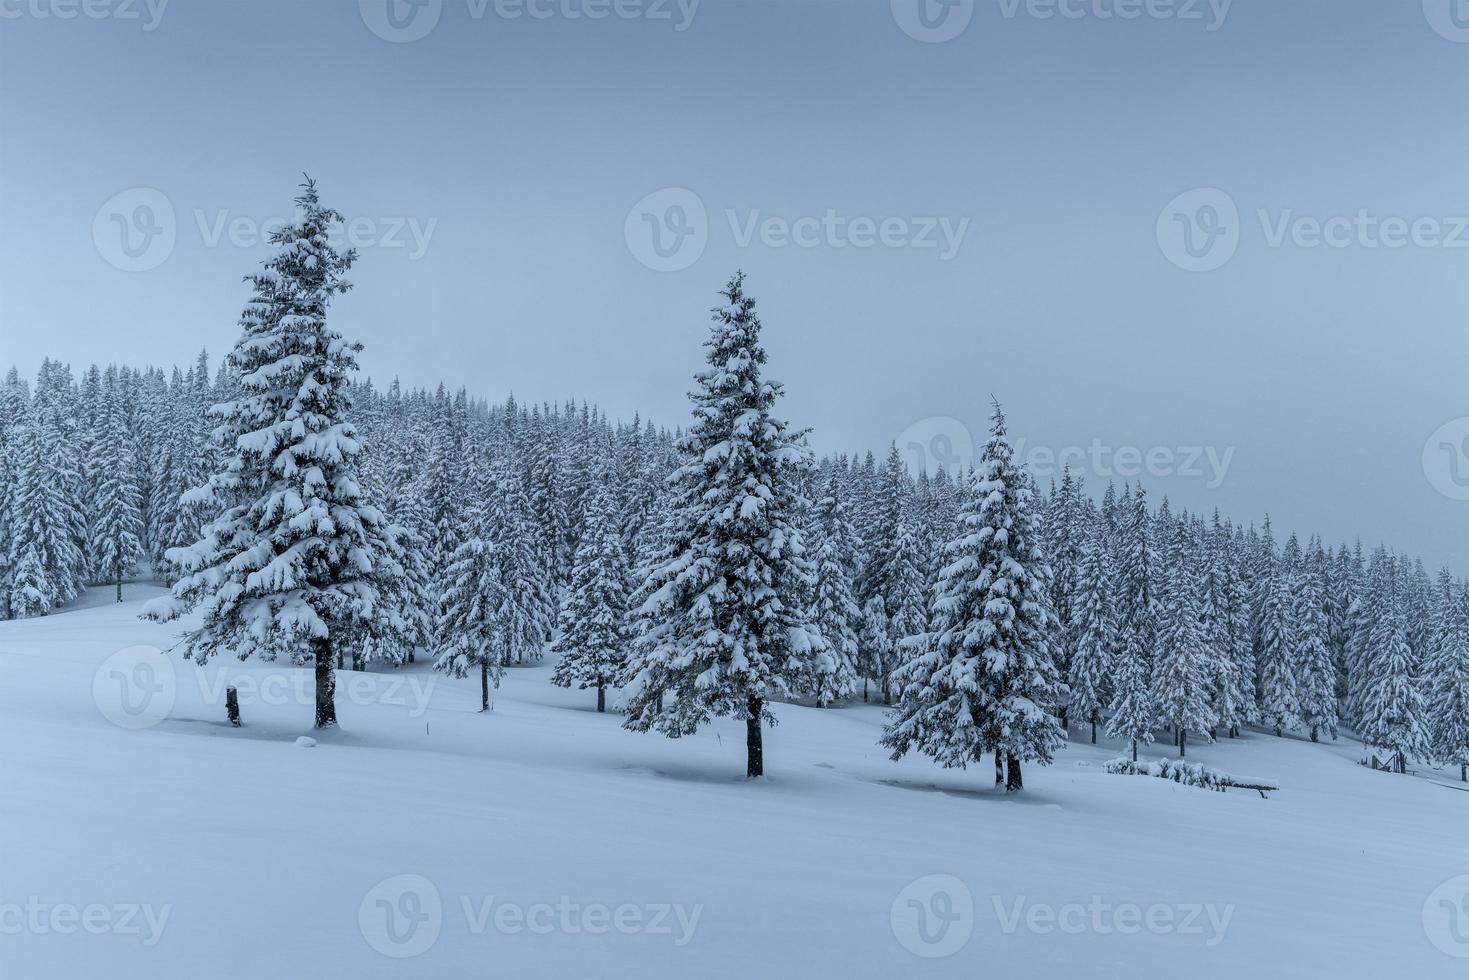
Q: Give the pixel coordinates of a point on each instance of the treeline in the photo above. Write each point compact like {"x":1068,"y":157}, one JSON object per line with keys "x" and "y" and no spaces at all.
{"x":718,"y":559}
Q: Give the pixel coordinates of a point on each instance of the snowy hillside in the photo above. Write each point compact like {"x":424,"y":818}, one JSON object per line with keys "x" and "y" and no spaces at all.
{"x":544,"y":840}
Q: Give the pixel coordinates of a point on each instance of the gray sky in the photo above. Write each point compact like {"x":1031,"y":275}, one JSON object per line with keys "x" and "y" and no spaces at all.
{"x":498,"y":166}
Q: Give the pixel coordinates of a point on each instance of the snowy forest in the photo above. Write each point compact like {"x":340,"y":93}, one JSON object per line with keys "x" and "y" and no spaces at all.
{"x":680,"y":569}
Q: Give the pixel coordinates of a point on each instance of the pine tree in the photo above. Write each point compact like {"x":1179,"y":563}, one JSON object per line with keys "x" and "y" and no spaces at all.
{"x":1394,"y":715}
{"x":288,"y":566}
{"x":593,"y":624}
{"x":530,"y":611}
{"x":1095,"y":630}
{"x":1133,"y":708}
{"x":1450,"y":708}
{"x":1314,"y":669}
{"x":985,"y":680}
{"x":1181,"y":684}
{"x":471,"y":629}
{"x":834,"y":609}
{"x":43,"y":553}
{"x":877,"y":654}
{"x":1064,"y":542}
{"x":722,"y":640}
{"x":1274,"y":589}
{"x":117,"y":523}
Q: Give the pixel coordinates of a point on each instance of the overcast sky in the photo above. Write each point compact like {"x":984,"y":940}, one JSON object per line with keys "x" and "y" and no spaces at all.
{"x":932,"y":206}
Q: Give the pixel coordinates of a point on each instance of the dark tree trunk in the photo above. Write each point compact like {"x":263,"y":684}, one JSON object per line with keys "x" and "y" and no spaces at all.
{"x":232,"y":705}
{"x":1013,"y":782}
{"x":1183,"y":743}
{"x":484,"y":686}
{"x":326,"y":685}
{"x":864,"y":690}
{"x":999,"y":768}
{"x":754,"y":747}
{"x":119,"y":588}
{"x":1315,"y":735}
{"x":1094,"y":731}
{"x":342,"y":660}
{"x":601,"y":698}
{"x":1464,"y":774}
{"x":1065,"y":722}
{"x":1134,"y":750}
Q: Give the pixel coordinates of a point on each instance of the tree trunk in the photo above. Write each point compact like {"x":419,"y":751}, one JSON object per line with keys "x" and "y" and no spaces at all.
{"x":1134,"y":750}
{"x":1065,"y":722}
{"x":999,"y":768}
{"x":484,"y":685}
{"x":601,"y":698}
{"x":1183,"y":743}
{"x":864,"y":690}
{"x":119,"y":588}
{"x":1463,"y":773}
{"x":1315,"y":735}
{"x":1094,"y":731}
{"x":1013,"y":782}
{"x":326,"y":685}
{"x":754,"y":748}
{"x":232,"y":705}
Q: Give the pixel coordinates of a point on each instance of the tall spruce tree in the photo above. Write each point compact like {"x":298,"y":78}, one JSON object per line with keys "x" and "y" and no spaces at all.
{"x":986,"y":680}
{"x":1094,"y":628}
{"x":1314,"y":667}
{"x":287,"y":568}
{"x":117,"y":521}
{"x":834,"y":609}
{"x":593,"y":625}
{"x":720,"y":638}
{"x":1450,"y":707}
{"x":1182,"y":676}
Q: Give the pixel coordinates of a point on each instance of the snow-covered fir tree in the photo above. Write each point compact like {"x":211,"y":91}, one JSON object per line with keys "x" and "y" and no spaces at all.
{"x":1133,"y":709}
{"x":834,"y":612}
{"x":287,"y":567}
{"x":117,"y":520}
{"x":593,"y":625}
{"x":985,"y":680}
{"x":1314,"y":667}
{"x":1185,"y":668}
{"x":721,"y":639}
{"x":1280,"y":706}
{"x":1394,"y":716}
{"x":1449,"y":710}
{"x":1094,"y":629}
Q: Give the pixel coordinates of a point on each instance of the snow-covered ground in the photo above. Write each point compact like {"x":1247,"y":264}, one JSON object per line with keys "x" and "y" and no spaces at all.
{"x":542,"y":840}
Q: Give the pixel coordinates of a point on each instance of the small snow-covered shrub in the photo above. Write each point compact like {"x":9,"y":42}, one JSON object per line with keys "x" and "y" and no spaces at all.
{"x":1186,"y":773}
